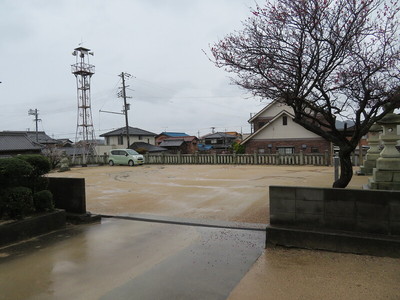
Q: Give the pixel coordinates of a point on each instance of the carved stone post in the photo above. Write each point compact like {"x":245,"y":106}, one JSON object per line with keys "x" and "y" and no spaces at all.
{"x":386,"y":175}
{"x":374,"y":150}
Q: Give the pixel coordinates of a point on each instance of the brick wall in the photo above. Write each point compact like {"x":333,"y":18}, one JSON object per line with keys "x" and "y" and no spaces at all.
{"x":320,"y":144}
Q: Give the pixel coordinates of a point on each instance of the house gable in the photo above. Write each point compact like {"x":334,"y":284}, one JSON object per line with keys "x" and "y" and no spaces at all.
{"x":275,"y":129}
{"x":268,"y":113}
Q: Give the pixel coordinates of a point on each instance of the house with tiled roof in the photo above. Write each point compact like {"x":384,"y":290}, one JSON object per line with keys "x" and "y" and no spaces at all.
{"x":143,"y":147}
{"x":118,"y":137}
{"x":183,"y":144}
{"x":165,"y":135}
{"x":13,"y":143}
{"x":219,"y":141}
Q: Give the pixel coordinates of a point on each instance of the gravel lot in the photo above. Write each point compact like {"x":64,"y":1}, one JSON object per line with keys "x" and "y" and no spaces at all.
{"x":221,"y":192}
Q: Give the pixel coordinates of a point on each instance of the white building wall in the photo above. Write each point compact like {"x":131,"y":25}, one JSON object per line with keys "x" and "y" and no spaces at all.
{"x":113,"y":140}
{"x":290,"y":131}
{"x":275,"y":109}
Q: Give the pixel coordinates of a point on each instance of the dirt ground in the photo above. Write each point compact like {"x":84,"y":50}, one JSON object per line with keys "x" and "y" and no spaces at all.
{"x":240,"y":193}
{"x":222,"y":192}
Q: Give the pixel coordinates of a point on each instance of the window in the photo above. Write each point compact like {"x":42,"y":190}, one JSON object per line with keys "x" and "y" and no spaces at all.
{"x":120,"y":140}
{"x":140,"y":137}
{"x":314,"y":150}
{"x":285,"y":150}
{"x":284,"y":120}
{"x":261,"y":150}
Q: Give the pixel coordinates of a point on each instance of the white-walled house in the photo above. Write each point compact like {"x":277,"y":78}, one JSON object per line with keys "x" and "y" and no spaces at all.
{"x":274,"y":131}
{"x":117,"y":138}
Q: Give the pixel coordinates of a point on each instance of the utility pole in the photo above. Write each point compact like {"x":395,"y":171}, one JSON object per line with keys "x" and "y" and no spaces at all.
{"x":123,"y":95}
{"x":34,"y":112}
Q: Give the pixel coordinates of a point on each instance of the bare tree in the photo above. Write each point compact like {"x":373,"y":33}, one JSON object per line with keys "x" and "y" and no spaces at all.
{"x":327,"y":59}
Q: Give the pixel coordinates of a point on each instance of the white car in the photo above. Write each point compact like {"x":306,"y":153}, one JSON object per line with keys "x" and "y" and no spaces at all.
{"x":127,"y":157}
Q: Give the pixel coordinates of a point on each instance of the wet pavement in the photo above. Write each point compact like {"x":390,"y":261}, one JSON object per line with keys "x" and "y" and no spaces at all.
{"x":125,"y":259}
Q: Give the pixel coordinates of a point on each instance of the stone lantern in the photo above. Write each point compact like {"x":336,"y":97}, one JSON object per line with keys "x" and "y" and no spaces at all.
{"x":386,"y":175}
{"x":374,"y":150}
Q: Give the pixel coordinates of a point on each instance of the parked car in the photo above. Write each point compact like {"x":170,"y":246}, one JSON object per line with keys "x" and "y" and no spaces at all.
{"x":125,"y":157}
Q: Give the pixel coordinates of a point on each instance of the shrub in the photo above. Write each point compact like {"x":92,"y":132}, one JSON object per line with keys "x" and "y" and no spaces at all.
{"x":14,"y":171}
{"x":43,"y":201}
{"x":41,"y":164}
{"x":238,"y":148}
{"x":17,"y":202}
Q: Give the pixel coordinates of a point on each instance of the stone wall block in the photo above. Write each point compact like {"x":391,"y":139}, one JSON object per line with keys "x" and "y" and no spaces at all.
{"x":281,"y":193}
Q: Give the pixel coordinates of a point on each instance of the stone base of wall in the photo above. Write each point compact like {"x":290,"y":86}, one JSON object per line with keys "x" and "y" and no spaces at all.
{"x":337,"y":241}
{"x":31,"y":226}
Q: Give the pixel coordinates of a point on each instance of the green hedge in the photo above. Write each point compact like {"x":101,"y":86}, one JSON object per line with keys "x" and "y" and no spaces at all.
{"x":41,"y":164}
{"x":43,"y":201}
{"x":14,"y":171}
{"x":23,"y":187}
{"x":17,"y":202}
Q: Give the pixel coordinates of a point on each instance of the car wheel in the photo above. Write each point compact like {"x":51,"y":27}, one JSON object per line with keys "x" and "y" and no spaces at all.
{"x":131,"y":163}
{"x":111,"y":163}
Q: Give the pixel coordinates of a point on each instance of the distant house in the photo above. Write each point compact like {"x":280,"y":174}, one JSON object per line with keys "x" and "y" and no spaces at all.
{"x":39,"y":137}
{"x":61,"y":143}
{"x":147,"y":147}
{"x":183,"y":144}
{"x":165,"y":135}
{"x":276,"y":132}
{"x":13,"y":143}
{"x":219,"y":141}
{"x":118,"y":138}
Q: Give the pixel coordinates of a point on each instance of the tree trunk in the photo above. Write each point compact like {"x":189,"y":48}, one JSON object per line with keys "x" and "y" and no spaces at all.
{"x":346,"y":169}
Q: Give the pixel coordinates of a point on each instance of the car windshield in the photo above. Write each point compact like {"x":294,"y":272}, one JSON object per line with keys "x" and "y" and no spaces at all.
{"x":132,"y":152}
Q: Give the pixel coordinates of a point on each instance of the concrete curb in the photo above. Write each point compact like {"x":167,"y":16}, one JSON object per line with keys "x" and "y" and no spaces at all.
{"x":189,"y":222}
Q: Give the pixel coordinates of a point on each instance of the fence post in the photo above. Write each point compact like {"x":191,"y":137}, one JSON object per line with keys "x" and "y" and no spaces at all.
{"x":327,"y":158}
{"x":179,"y":157}
{"x":336,"y":163}
{"x":255,"y":157}
{"x":301,"y":157}
{"x":215,"y":158}
{"x":163,"y":158}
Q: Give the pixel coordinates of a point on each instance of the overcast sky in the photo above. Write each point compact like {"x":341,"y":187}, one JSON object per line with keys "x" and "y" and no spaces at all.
{"x":160,"y":42}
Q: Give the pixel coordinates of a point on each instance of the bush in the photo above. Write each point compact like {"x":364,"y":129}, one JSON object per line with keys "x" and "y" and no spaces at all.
{"x":14,"y":171}
{"x":41,"y":164}
{"x":43,"y":201}
{"x":238,"y":148}
{"x":17,"y":202}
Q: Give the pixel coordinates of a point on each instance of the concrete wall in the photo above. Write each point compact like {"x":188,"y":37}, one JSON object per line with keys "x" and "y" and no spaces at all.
{"x":365,"y":211}
{"x":69,"y":194}
{"x":342,"y":220}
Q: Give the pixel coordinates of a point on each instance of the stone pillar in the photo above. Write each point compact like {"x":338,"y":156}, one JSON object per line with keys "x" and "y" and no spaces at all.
{"x":386,"y":175}
{"x":373,"y":152}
